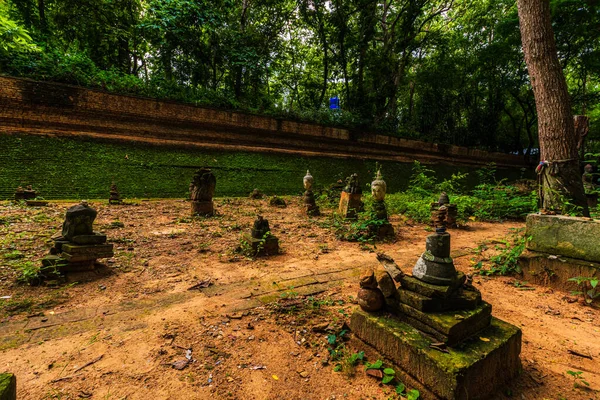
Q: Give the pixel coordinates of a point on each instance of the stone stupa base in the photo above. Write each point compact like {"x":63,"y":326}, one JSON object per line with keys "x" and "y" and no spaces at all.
{"x":473,"y":369}
{"x":202,"y":208}
{"x":263,"y":247}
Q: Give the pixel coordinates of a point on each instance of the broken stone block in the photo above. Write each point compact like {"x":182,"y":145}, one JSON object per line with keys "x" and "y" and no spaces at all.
{"x":79,"y":220}
{"x":449,"y":327}
{"x":386,"y":284}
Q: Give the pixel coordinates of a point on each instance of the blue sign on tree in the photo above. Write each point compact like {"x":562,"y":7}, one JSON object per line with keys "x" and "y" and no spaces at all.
{"x":334,"y":103}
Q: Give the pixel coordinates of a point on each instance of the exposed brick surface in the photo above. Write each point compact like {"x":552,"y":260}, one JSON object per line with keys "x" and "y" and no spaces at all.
{"x":49,"y":108}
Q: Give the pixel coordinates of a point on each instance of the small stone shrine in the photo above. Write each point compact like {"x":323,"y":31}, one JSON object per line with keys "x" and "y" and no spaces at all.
{"x":25,"y":194}
{"x":378,"y":190}
{"x":115,"y":197}
{"x":261,"y":239}
{"x":202,"y":190}
{"x":78,"y":247}
{"x":450,"y":211}
{"x":435,"y":328}
{"x":589,"y":185}
{"x":350,"y":199}
{"x":310,"y":204}
{"x":256,"y":194}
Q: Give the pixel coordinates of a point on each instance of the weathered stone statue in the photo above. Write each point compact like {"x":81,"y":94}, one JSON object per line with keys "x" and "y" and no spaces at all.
{"x":261,"y":228}
{"x":202,"y":190}
{"x":448,"y":211}
{"x":309,"y":198}
{"x":350,"y":199}
{"x":262,"y":241}
{"x":433,"y":316}
{"x":590,"y":186}
{"x":78,"y":246}
{"x":378,"y":190}
{"x":115,"y":197}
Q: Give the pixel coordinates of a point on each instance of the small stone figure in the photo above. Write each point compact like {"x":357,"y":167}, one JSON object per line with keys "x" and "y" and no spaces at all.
{"x":590,"y":186}
{"x":352,"y":185}
{"x":369,"y":296}
{"x":115,"y":197}
{"x":378,"y":191}
{"x":450,"y":211}
{"x":261,"y":227}
{"x":277,"y":202}
{"x":202,"y":190}
{"x":25,"y":194}
{"x":309,"y":198}
{"x":256,"y":195}
{"x":262,"y":241}
{"x":78,"y":246}
{"x":350,"y":199}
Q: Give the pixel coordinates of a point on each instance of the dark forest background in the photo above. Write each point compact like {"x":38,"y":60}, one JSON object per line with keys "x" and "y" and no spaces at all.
{"x":449,"y":71}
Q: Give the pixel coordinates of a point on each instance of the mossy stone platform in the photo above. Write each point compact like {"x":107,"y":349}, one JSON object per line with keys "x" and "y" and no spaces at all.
{"x":473,"y":369}
{"x":8,"y":387}
{"x":560,"y":235}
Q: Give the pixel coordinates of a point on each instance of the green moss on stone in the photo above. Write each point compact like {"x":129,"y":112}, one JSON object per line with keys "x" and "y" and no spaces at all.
{"x":8,"y":387}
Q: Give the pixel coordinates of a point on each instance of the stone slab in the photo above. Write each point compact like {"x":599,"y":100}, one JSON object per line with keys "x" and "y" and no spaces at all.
{"x":8,"y":387}
{"x":564,"y":236}
{"x":550,"y":270}
{"x":87,"y":249}
{"x":386,"y":284}
{"x":429,"y":290}
{"x":96,"y":238}
{"x":83,"y":257}
{"x":474,"y":369}
{"x":464,"y":299}
{"x":350,"y":205}
{"x":450,"y":327}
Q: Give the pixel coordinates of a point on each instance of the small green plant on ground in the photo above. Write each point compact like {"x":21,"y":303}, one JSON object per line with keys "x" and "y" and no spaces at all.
{"x":388,"y":377}
{"x":507,"y":260}
{"x":491,"y":200}
{"x":578,"y":379}
{"x":589,"y":287}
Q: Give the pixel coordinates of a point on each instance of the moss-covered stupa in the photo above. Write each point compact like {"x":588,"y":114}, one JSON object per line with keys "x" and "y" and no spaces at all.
{"x":437,"y":330}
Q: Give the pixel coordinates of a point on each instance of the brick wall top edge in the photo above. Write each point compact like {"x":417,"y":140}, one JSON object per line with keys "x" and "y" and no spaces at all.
{"x":102,"y":101}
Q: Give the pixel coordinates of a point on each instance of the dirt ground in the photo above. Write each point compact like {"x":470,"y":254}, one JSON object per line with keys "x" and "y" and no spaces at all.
{"x":259,"y":331}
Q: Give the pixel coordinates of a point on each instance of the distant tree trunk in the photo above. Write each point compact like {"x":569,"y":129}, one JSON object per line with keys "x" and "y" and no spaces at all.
{"x":42,"y":13}
{"x":560,"y":178}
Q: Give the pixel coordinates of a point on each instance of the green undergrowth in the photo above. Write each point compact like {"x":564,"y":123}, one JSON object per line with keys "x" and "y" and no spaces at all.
{"x":80,"y":168}
{"x":490,"y":200}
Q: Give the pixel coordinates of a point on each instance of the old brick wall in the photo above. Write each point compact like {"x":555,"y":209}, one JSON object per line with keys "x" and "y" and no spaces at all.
{"x":45,"y":108}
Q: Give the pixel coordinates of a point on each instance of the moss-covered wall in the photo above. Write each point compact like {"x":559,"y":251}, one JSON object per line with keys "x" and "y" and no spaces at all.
{"x":64,"y":168}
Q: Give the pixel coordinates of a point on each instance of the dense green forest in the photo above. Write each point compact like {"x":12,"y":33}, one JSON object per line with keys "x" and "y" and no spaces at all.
{"x":448,"y":71}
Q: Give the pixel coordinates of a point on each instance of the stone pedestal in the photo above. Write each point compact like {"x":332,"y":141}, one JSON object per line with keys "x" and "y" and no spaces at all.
{"x":202,"y":208}
{"x":450,"y":215}
{"x":8,"y":387}
{"x":310,"y":205}
{"x":440,"y":333}
{"x":263,"y":247}
{"x":350,"y":205}
{"x":78,"y":247}
{"x":382,"y":228}
{"x":473,"y":369}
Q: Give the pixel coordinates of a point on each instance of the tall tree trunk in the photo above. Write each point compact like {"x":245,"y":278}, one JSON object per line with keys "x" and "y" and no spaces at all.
{"x":560,"y":178}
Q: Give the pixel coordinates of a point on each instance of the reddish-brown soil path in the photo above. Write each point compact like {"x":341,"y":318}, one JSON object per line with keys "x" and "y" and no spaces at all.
{"x":259,"y":332}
